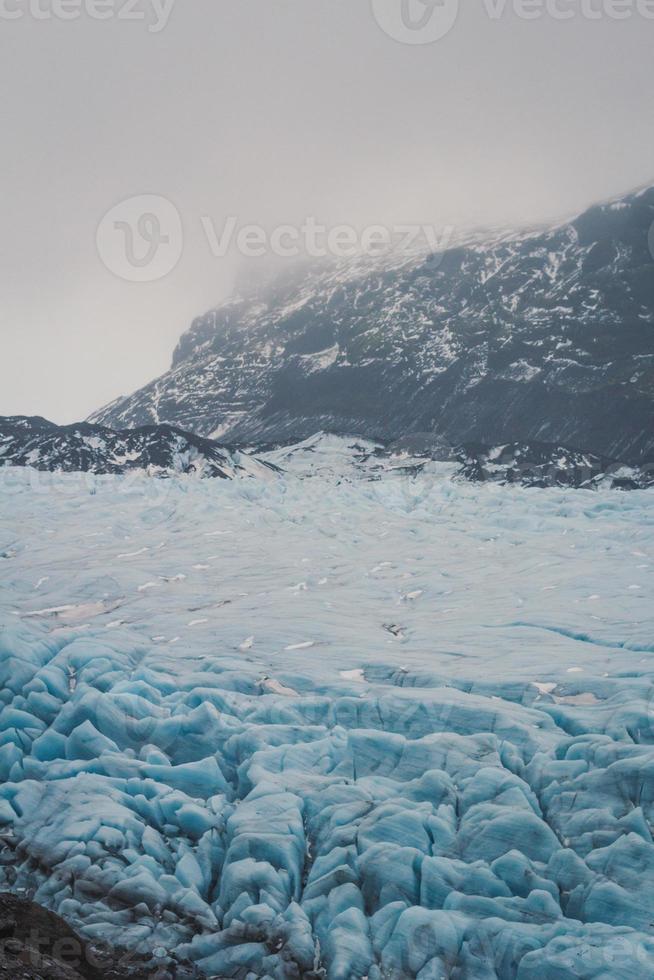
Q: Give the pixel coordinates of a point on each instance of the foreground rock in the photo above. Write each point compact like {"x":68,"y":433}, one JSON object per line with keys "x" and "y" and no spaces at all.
{"x":38,"y":945}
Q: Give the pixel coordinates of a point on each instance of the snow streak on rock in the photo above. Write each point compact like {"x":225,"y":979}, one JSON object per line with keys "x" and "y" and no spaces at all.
{"x":392,"y":728}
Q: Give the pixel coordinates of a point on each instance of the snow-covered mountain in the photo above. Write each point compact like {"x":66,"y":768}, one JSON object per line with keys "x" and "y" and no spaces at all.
{"x":164,"y":451}
{"x":546,"y":336}
{"x":525,"y":465}
{"x":160,"y":450}
{"x":542,"y":465}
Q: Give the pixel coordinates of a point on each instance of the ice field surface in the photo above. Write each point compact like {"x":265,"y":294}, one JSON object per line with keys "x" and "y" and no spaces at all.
{"x":325,"y":724}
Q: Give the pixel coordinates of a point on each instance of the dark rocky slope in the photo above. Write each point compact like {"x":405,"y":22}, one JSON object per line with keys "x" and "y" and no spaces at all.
{"x":542,"y":337}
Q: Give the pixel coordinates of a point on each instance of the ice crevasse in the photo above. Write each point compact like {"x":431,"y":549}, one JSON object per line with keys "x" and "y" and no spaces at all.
{"x":328,"y":727}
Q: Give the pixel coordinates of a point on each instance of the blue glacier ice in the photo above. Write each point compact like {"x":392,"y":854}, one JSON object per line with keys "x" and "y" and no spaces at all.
{"x":326,"y":725}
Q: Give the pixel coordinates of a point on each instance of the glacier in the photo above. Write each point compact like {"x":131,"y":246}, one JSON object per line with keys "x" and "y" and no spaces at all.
{"x":340,"y":722}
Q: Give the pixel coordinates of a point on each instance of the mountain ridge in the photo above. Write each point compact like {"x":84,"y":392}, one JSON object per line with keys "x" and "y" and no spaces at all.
{"x":542,"y":336}
{"x":163,"y":451}
{"x":159,"y":450}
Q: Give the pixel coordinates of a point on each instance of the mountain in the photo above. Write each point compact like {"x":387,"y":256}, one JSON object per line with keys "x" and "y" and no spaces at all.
{"x":540,"y":465}
{"x":163,"y":451}
{"x":544,"y":336}
{"x":160,"y":450}
{"x":535,"y":465}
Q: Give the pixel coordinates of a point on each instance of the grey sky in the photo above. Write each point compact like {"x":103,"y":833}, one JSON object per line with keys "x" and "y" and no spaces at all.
{"x":272,"y":111}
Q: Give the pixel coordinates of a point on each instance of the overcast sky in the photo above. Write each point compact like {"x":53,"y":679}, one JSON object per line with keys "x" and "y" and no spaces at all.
{"x":272,"y":111}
